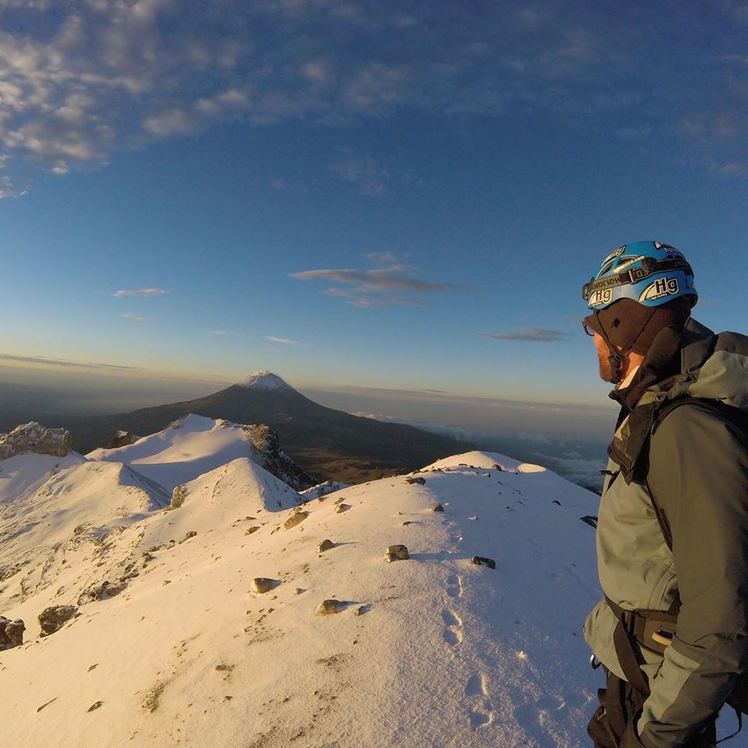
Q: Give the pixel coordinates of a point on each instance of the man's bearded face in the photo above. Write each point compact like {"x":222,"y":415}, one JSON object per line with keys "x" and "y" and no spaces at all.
{"x":603,"y":358}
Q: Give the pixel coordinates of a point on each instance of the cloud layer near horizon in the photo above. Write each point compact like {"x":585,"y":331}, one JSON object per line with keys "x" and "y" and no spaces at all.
{"x":82,"y":80}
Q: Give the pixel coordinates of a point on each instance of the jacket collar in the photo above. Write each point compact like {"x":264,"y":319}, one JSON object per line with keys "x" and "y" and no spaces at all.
{"x":675,"y":349}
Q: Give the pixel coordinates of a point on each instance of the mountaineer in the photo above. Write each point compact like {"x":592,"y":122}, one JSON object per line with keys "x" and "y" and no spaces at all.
{"x":672,"y":533}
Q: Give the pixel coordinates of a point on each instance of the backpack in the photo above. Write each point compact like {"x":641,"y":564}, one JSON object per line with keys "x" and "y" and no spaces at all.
{"x":654,"y":629}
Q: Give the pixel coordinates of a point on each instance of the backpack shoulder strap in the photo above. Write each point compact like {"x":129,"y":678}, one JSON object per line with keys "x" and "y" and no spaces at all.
{"x":660,"y":414}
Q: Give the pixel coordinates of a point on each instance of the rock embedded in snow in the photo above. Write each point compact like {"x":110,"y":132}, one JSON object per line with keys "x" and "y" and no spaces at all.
{"x":340,"y":508}
{"x":101,"y":591}
{"x":261,"y":585}
{"x":396,"y":553}
{"x":437,"y":508}
{"x":52,"y":619}
{"x":325,"y":545}
{"x":252,"y":529}
{"x":11,"y":633}
{"x":35,"y":438}
{"x":121,"y":439}
{"x":296,"y":518}
{"x":483,"y":561}
{"x":329,"y":607}
{"x":420,"y":481}
{"x":178,"y":495}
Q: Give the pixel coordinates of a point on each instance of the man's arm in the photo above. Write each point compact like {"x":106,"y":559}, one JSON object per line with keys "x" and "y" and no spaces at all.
{"x":699,"y":474}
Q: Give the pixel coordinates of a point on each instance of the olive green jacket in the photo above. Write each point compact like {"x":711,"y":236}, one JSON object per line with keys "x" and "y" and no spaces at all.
{"x":698,"y":470}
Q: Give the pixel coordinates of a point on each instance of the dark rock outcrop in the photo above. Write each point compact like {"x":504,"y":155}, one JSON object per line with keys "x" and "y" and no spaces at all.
{"x":121,"y":439}
{"x":35,"y":438}
{"x":100,"y":592}
{"x":54,"y":618}
{"x":11,"y":633}
{"x":275,"y":460}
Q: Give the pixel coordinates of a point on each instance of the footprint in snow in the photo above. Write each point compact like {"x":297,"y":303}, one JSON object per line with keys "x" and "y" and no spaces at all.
{"x":452,"y":635}
{"x":477,"y":691}
{"x":454,"y":585}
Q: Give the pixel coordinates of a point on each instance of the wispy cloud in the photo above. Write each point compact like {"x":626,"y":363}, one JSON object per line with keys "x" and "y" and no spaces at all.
{"x":530,"y":335}
{"x":8,"y":188}
{"x":61,"y":362}
{"x":281,"y":341}
{"x":390,"y":282}
{"x":126,"y":292}
{"x":369,"y":176}
{"x":134,"y":317}
{"x":80,"y":81}
{"x":229,"y":333}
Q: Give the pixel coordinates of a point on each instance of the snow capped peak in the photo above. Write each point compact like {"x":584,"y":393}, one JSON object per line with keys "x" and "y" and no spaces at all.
{"x":265,"y":380}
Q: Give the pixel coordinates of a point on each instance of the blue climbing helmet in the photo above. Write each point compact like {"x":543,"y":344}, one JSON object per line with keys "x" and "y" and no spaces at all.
{"x":649,"y":273}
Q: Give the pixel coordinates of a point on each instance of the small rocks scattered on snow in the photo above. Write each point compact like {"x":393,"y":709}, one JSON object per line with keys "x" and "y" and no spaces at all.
{"x":420,"y":481}
{"x":340,"y":500}
{"x":11,"y":633}
{"x":483,"y":561}
{"x":252,"y":529}
{"x":54,"y":618}
{"x":329,"y":607}
{"x":590,"y":520}
{"x":33,"y":437}
{"x":437,"y":508}
{"x":261,"y":585}
{"x":296,"y":518}
{"x":325,"y":545}
{"x":95,"y":706}
{"x":340,"y":508}
{"x":396,"y":553}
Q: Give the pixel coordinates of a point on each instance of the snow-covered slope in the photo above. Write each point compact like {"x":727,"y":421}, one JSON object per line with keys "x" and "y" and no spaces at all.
{"x":24,"y":472}
{"x":430,"y":651}
{"x":190,"y":447}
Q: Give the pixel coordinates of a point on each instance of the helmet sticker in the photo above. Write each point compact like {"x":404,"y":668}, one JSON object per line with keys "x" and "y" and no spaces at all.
{"x":601,"y":296}
{"x":661,"y":287}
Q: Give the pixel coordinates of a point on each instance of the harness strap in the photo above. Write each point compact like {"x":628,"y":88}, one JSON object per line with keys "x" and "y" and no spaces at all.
{"x":627,"y":651}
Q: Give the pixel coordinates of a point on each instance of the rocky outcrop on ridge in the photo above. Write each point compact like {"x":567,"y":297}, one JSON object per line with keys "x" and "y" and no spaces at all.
{"x":33,"y":437}
{"x":275,"y":460}
{"x":121,"y":439}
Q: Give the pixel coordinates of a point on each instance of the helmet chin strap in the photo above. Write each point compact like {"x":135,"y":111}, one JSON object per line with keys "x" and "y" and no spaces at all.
{"x":617,"y":357}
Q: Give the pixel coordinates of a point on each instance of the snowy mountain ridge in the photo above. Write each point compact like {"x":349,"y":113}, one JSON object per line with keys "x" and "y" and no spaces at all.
{"x":195,"y":618}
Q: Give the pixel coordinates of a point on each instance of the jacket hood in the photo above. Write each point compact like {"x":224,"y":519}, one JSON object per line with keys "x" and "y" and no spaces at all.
{"x":692,"y":361}
{"x":715,"y":367}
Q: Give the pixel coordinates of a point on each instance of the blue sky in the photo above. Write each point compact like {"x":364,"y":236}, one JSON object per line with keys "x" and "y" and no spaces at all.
{"x":399,"y":195}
